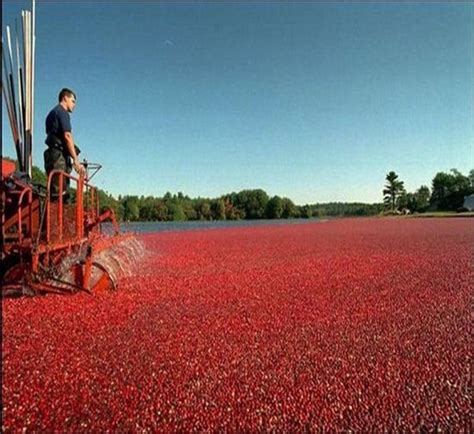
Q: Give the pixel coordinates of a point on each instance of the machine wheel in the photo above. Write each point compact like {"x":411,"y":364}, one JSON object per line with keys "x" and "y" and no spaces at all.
{"x":100,"y":279}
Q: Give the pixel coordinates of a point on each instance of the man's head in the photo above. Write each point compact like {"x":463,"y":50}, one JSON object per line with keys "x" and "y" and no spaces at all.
{"x":67,"y":98}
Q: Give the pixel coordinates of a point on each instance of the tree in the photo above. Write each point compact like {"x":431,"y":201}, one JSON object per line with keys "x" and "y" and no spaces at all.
{"x":108,"y":201}
{"x":175,"y":212}
{"x":421,"y":199}
{"x":161,"y":211}
{"x":189,"y":209}
{"x":289,"y":208}
{"x":253,"y":203}
{"x":231,"y":211}
{"x":393,"y":189}
{"x":131,"y":211}
{"x":306,"y":211}
{"x":147,"y":209}
{"x":449,"y":190}
{"x":274,"y":208}
{"x":219,"y":210}
{"x":204,"y":209}
{"x":404,"y":199}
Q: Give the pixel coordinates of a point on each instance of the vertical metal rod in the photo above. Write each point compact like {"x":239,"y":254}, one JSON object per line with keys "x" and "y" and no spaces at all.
{"x":11,"y":120}
{"x":7,"y":103}
{"x":27,"y":87}
{"x":18,"y":86}
{"x":23,"y":108}
{"x":12,"y":95}
{"x":79,"y":207}
{"x":10,"y":73}
{"x":20,"y":226}
{"x":6,"y":81}
{"x":23,"y":76}
{"x":30,"y":206}
{"x":6,"y":94}
{"x":33,"y":33}
{"x":28,"y":58}
{"x":25,"y":83}
{"x":60,"y":205}
{"x":21,"y":80}
{"x":20,"y":90}
{"x":48,"y":206}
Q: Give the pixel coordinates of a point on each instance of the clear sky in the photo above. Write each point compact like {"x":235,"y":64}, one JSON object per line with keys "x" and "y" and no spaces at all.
{"x":310,"y":100}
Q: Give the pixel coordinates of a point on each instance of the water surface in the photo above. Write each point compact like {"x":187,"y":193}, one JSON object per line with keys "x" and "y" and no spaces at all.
{"x":144,"y":227}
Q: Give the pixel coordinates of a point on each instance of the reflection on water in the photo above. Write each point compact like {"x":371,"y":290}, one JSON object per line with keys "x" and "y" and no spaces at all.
{"x":143,"y":227}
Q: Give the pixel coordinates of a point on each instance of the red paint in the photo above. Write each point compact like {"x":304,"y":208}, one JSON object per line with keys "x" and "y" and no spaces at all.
{"x":350,"y":324}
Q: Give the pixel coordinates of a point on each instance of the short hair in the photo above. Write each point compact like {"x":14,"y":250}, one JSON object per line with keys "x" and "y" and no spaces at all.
{"x":65,"y":92}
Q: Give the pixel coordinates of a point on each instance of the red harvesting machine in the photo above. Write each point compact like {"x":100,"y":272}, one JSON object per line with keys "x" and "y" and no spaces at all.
{"x":51,"y":244}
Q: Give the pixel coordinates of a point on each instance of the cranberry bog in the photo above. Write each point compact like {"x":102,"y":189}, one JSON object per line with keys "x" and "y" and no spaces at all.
{"x":352,"y":324}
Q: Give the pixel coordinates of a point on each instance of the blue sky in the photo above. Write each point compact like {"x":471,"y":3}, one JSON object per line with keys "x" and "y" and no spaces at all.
{"x":310,"y":100}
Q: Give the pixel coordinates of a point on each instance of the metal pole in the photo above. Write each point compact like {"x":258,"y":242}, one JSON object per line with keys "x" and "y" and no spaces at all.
{"x":30,"y":162}
{"x":28,"y":89}
{"x":12,"y":85}
{"x":20,"y":89}
{"x":25,"y":83}
{"x":18,"y":155}
{"x":23,"y":76}
{"x":18,"y":144}
{"x":19,"y":97}
{"x":7,"y":96}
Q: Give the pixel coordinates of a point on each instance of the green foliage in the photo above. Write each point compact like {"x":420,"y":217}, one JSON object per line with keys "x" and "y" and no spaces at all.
{"x":108,"y":201}
{"x":274,"y":209}
{"x":147,"y":209}
{"x":421,"y":199}
{"x":447,"y":193}
{"x":204,"y":209}
{"x":176,"y":212}
{"x":392,"y":191}
{"x":306,"y":212}
{"x":252,"y":202}
{"x":161,"y":210}
{"x":189,"y":210}
{"x":449,"y":190}
{"x":232,"y":212}
{"x":346,"y":209}
{"x":403,"y":199}
{"x":38,"y":176}
{"x":289,"y":209}
{"x":219,"y":209}
{"x":131,"y":209}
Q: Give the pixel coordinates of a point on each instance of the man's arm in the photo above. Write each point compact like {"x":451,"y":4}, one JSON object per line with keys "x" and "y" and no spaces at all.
{"x":78,"y":167}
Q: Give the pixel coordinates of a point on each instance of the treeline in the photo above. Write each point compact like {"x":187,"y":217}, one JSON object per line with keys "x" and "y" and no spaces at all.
{"x":448,"y":193}
{"x":246,"y":204}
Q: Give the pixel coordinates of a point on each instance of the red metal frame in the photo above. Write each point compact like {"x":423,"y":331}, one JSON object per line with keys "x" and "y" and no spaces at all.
{"x":39,"y":251}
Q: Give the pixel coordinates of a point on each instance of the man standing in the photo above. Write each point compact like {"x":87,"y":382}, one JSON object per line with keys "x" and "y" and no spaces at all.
{"x":61,"y":154}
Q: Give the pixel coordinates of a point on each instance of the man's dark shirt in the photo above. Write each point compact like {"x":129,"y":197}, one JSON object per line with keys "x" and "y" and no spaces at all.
{"x":58,"y":122}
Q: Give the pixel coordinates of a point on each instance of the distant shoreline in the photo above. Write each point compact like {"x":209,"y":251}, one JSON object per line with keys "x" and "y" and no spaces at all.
{"x":441,"y":214}
{"x":196,"y":224}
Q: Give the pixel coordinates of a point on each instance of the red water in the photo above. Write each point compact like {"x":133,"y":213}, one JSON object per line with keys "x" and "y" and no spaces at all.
{"x":350,"y":324}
